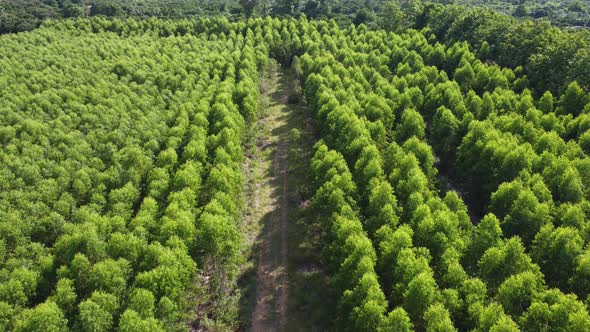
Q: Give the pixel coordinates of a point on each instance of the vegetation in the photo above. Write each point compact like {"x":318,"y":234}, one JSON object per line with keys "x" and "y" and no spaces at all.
{"x":122,"y":144}
{"x":121,"y":171}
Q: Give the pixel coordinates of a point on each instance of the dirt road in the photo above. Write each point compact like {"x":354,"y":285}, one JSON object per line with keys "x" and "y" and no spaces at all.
{"x":271,"y":206}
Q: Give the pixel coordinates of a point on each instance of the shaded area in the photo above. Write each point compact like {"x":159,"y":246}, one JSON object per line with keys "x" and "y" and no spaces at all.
{"x":283,"y":286}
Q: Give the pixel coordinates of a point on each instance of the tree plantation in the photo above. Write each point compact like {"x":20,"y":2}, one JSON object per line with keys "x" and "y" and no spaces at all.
{"x":447,"y":193}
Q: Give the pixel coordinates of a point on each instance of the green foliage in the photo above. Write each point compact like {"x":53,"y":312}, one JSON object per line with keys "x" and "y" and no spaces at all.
{"x":437,"y":318}
{"x":46,"y":316}
{"x":398,"y":320}
{"x":122,"y":150}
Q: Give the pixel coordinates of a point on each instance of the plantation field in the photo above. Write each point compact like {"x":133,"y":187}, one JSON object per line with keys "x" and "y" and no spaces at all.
{"x":176,"y":175}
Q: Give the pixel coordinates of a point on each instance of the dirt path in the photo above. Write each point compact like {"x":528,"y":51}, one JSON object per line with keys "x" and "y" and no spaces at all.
{"x":270,"y":204}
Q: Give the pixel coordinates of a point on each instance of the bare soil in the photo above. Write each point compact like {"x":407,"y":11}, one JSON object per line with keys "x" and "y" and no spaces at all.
{"x":271,"y":207}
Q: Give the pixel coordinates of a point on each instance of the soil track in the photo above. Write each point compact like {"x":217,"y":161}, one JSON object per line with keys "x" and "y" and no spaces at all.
{"x":270,"y":202}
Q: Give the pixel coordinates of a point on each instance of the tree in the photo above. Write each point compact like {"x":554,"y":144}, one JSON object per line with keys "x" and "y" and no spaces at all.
{"x":556,"y":250}
{"x":518,"y":291}
{"x":437,"y":318}
{"x":286,"y":7}
{"x":444,"y":133}
{"x":555,"y":311}
{"x":65,"y":295}
{"x":142,"y":301}
{"x":526,"y":217}
{"x":504,"y":324}
{"x":521,"y":10}
{"x":391,"y":243}
{"x":573,"y":100}
{"x":110,"y":276}
{"x":393,"y":18}
{"x":500,"y":262}
{"x":96,"y":313}
{"x":398,"y":320}
{"x":484,"y":51}
{"x":364,"y":305}
{"x":424,"y":154}
{"x":382,"y":207}
{"x":465,"y":76}
{"x":421,"y":293}
{"x":411,"y":124}
{"x":158,"y":183}
{"x":131,"y":321}
{"x":248,"y":6}
{"x":580,"y":281}
{"x":564,"y":181}
{"x":584,"y":141}
{"x":46,"y":317}
{"x":488,"y":234}
{"x":546,"y":102}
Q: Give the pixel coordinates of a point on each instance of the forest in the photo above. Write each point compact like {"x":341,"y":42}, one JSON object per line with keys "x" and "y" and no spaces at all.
{"x":447,"y":187}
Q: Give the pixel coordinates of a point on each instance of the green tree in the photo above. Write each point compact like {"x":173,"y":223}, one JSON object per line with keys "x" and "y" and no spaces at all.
{"x":445,"y":133}
{"x":46,"y":317}
{"x":555,"y":311}
{"x":584,"y":141}
{"x":421,"y":293}
{"x":393,"y":18}
{"x":96,"y":313}
{"x":573,"y":100}
{"x":437,"y":318}
{"x":398,"y":320}
{"x":556,"y":250}
{"x":526,"y":217}
{"x":110,"y":276}
{"x":131,"y":321}
{"x":65,"y":295}
{"x":518,"y":291}
{"x":488,"y":234}
{"x":411,"y":124}
{"x":546,"y":103}
{"x":500,"y":262}
{"x":142,"y":302}
{"x":248,"y":6}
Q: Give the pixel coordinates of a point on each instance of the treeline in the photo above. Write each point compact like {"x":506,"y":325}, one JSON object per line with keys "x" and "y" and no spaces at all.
{"x":551,"y":57}
{"x":568,"y":13}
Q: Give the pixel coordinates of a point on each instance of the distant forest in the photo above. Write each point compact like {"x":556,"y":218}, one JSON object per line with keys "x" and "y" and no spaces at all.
{"x":24,"y":15}
{"x":549,"y":55}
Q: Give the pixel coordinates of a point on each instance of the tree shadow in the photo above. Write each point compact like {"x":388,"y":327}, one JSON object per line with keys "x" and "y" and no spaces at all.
{"x":262,"y":285}
{"x":282,"y":254}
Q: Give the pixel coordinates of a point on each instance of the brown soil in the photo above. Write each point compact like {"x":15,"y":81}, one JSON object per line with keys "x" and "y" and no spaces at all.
{"x":270,"y":199}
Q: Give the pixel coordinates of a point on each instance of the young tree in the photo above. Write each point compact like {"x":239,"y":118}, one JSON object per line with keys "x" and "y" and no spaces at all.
{"x":445,"y":134}
{"x":411,"y":124}
{"x":131,"y":321}
{"x":526,"y":217}
{"x":398,"y":320}
{"x":488,"y":234}
{"x":421,"y":293}
{"x":437,"y":318}
{"x":518,"y":291}
{"x":96,"y":313}
{"x":546,"y":103}
{"x":45,"y":317}
{"x":556,"y":250}
{"x":573,"y":100}
{"x":500,"y":262}
{"x":142,"y":302}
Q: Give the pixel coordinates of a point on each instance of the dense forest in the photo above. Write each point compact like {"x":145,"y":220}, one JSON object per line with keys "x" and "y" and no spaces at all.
{"x":449,"y":177}
{"x":550,"y":57}
{"x":24,"y":15}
